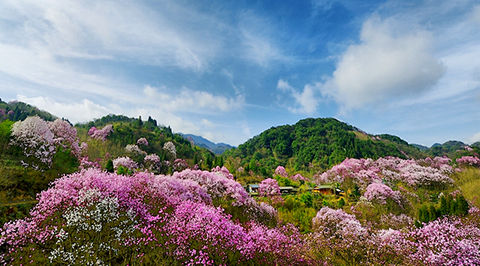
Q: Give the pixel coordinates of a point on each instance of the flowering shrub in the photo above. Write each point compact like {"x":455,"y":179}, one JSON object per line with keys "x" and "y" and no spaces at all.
{"x":142,"y":141}
{"x":170,"y":147}
{"x":340,"y":234}
{"x":34,"y":137}
{"x":379,"y":193}
{"x":218,"y":186}
{"x":223,"y":171}
{"x":179,"y":164}
{"x":132,"y":148}
{"x":469,"y":160}
{"x":65,"y":135}
{"x":366,"y":171}
{"x":280,"y":170}
{"x":100,"y":134}
{"x":298,"y":177}
{"x":268,"y":188}
{"x":440,"y":242}
{"x":85,"y":163}
{"x":94,"y":217}
{"x":125,"y":162}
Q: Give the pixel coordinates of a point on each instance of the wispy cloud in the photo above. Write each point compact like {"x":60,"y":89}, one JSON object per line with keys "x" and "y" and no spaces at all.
{"x":306,"y":101}
{"x":384,"y":64}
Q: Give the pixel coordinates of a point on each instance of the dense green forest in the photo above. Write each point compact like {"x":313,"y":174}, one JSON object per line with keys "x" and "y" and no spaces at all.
{"x":315,"y":144}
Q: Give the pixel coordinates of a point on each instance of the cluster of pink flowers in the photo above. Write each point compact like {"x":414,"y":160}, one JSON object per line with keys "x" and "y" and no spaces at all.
{"x":217,"y":185}
{"x":142,"y":141}
{"x":65,"y":135}
{"x":223,"y":171}
{"x":379,"y":193}
{"x":179,"y":165}
{"x":126,"y":162}
{"x":298,"y":177}
{"x":268,"y":188}
{"x":469,"y":160}
{"x":100,"y":134}
{"x":164,"y":217}
{"x":152,"y":159}
{"x":440,"y":242}
{"x":39,"y":138}
{"x":280,"y":170}
{"x":366,"y":171}
{"x":85,"y":163}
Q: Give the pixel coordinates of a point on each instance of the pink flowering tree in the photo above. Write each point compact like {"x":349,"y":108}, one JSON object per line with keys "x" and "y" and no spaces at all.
{"x":469,"y":160}
{"x":380,"y":193}
{"x":100,"y":134}
{"x":170,"y":148}
{"x":124,"y":163}
{"x":37,"y":141}
{"x":280,"y":171}
{"x":65,"y":135}
{"x":269,"y":188}
{"x":142,"y":142}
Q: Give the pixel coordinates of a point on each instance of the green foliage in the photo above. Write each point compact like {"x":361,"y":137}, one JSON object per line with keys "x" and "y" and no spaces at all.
{"x":314,"y":143}
{"x":448,"y":206}
{"x":22,"y":110}
{"x":109,"y":166}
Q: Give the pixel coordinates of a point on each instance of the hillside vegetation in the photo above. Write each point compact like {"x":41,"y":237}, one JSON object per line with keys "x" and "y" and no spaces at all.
{"x":313,"y":145}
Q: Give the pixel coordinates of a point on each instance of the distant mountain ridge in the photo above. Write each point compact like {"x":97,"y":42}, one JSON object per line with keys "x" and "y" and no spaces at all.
{"x":316,"y":143}
{"x":217,"y":148}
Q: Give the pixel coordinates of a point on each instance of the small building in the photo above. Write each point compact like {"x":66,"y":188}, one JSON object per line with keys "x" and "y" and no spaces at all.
{"x":326,"y":190}
{"x":288,"y":190}
{"x":252,"y":188}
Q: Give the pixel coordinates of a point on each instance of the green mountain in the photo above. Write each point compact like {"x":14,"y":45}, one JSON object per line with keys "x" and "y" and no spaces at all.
{"x":315,"y":144}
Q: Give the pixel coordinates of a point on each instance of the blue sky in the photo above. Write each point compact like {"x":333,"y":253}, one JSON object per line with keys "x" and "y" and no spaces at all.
{"x":227,"y":70}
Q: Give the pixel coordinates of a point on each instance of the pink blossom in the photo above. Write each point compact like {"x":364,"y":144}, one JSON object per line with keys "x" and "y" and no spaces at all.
{"x":269,"y":188}
{"x":142,"y":141}
{"x":280,"y":170}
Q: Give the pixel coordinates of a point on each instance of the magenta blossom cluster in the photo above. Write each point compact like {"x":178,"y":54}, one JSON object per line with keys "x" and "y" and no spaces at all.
{"x":268,"y":188}
{"x":217,"y":185}
{"x":100,"y":134}
{"x":469,"y":160}
{"x":126,"y":162}
{"x":152,"y":159}
{"x":379,"y":193}
{"x":142,"y":141}
{"x":85,"y":163}
{"x":280,"y":170}
{"x":164,"y":218}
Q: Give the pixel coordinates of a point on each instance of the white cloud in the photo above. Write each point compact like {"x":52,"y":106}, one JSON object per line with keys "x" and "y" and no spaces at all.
{"x":171,"y":36}
{"x":306,"y":101}
{"x":78,"y":111}
{"x":474,"y":138}
{"x":386,"y":63}
{"x":192,"y":101}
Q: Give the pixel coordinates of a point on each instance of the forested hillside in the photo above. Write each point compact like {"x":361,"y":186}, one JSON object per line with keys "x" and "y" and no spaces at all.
{"x":318,"y":144}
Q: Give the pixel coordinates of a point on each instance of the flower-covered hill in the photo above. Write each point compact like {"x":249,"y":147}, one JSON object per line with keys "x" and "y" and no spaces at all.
{"x":193,"y":217}
{"x":35,"y":151}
